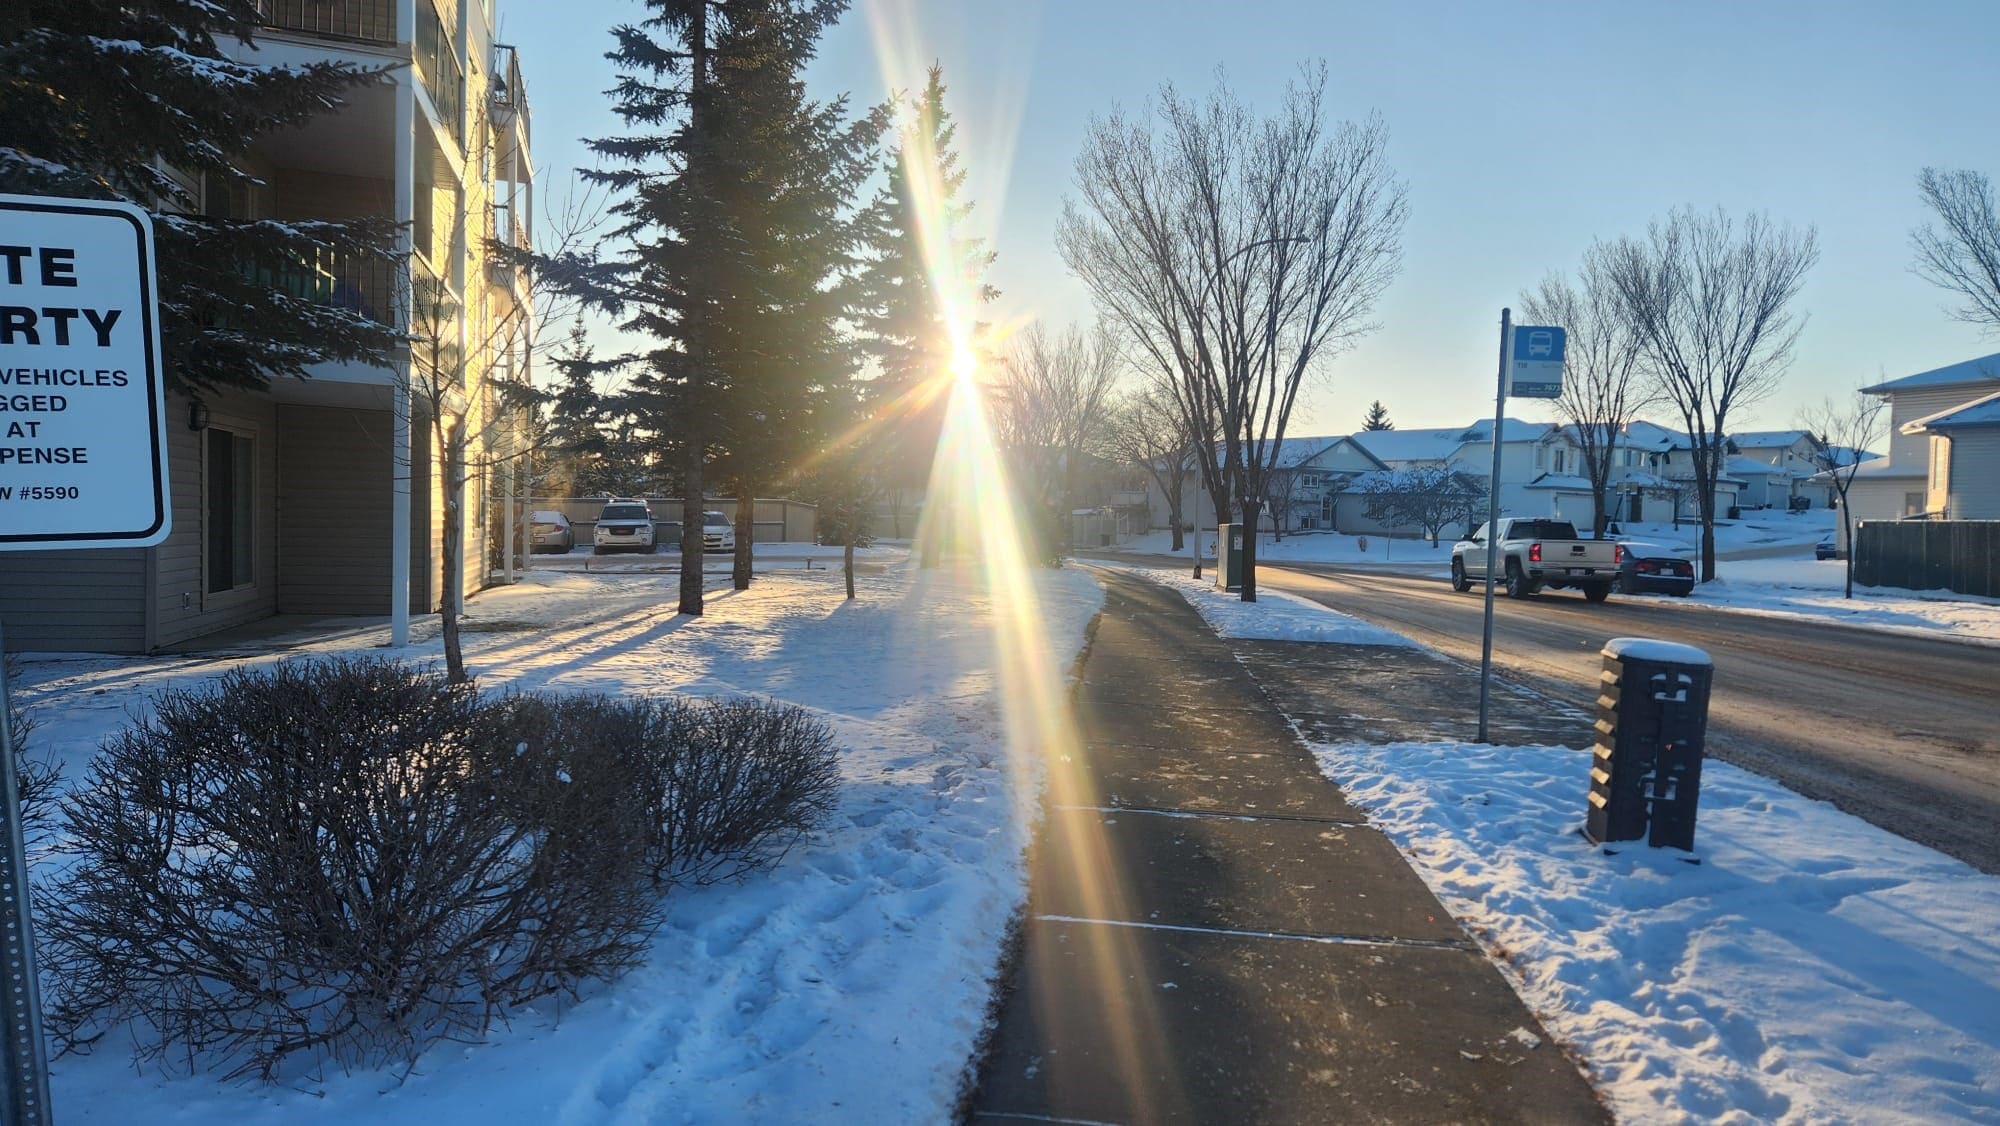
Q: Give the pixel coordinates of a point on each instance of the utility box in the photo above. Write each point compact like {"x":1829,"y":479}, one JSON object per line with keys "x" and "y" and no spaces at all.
{"x":1229,"y":557}
{"x":1652,"y":724}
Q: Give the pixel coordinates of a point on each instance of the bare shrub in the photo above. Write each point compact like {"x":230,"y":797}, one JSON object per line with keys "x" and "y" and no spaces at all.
{"x":322,"y":858}
{"x":740,"y":782}
{"x":37,"y":779}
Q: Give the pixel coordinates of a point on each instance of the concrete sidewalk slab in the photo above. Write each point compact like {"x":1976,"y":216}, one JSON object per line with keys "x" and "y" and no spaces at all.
{"x":1213,"y":781}
{"x":1282,"y":963}
{"x":1220,"y":1029}
{"x":1241,"y":874}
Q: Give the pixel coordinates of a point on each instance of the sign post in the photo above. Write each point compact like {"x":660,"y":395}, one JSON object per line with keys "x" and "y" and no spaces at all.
{"x":83,"y":464}
{"x":1531,"y":358}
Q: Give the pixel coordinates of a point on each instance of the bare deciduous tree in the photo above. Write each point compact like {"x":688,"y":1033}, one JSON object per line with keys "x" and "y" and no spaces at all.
{"x":1599,"y":390}
{"x":1050,"y":409}
{"x":1238,"y":254}
{"x":1145,"y":430}
{"x":1839,"y":430}
{"x":1962,"y":253}
{"x":1709,"y":299}
{"x":1428,"y":497}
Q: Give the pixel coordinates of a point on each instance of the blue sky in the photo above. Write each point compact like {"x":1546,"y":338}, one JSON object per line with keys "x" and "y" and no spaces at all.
{"x":1523,"y":132}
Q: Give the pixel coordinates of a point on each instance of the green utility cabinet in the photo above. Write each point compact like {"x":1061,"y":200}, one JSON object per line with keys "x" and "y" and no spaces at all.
{"x":1229,"y":557}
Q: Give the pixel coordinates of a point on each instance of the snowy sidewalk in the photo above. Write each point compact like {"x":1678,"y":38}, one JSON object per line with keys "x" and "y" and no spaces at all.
{"x":1215,"y":935}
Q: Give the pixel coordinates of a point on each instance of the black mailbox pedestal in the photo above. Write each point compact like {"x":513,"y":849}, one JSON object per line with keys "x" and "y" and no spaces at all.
{"x":1652,"y":722}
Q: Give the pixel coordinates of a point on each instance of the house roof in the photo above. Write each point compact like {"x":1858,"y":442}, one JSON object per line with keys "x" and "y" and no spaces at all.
{"x":1965,"y":416}
{"x":1293,"y":452}
{"x":1985,"y":369}
{"x":1876,"y":468}
{"x":1766,"y":439}
{"x":1561,"y":481}
{"x":1749,"y":467}
{"x":1439,"y":444}
{"x":1644,"y":435}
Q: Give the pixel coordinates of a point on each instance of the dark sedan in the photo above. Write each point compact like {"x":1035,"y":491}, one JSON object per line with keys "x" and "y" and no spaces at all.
{"x":1651,"y":569}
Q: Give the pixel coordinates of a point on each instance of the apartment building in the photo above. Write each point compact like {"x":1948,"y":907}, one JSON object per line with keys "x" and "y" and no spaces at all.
{"x":327,"y":495}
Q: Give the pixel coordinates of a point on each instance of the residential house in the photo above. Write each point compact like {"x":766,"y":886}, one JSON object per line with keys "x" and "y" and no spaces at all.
{"x":1309,"y":473}
{"x":1944,"y":450}
{"x":1793,"y":463}
{"x":1525,"y":454}
{"x":321,"y":496}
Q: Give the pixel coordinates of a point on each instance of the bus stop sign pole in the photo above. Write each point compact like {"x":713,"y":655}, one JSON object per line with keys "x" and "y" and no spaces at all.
{"x":26,"y":1071}
{"x":1492,"y":519}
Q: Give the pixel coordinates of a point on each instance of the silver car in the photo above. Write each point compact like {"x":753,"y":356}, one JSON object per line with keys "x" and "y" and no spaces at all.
{"x":550,"y":531}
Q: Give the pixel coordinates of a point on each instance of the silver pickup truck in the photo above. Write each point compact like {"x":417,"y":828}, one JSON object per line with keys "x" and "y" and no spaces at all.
{"x":1537,"y":553}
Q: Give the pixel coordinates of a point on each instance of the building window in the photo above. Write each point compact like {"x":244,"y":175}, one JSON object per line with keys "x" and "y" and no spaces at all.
{"x":231,"y":498}
{"x":1326,"y":509}
{"x":1559,"y":461}
{"x":1913,"y":504}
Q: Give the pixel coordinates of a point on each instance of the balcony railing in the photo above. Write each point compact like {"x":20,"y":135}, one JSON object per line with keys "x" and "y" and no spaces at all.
{"x":437,"y":64}
{"x":510,"y":91}
{"x":366,"y":21}
{"x":364,"y":285}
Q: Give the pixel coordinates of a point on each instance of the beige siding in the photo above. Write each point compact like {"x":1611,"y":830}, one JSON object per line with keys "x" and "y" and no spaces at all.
{"x":184,"y":608}
{"x":1912,"y":451}
{"x":334,"y":497}
{"x":1975,"y":475}
{"x":74,"y":601}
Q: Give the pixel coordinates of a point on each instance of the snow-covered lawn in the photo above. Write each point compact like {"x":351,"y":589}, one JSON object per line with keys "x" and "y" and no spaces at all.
{"x":1756,"y":531}
{"x":1302,"y":620}
{"x":1812,"y":589}
{"x":849,"y":984}
{"x":1811,"y":968}
{"x":1310,"y":547}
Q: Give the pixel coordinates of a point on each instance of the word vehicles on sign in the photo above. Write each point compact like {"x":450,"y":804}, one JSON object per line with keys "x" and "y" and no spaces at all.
{"x":83,"y":435}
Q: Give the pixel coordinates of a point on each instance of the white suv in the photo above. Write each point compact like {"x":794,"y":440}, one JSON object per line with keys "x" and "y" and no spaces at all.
{"x":624,"y":525}
{"x":717,"y":533}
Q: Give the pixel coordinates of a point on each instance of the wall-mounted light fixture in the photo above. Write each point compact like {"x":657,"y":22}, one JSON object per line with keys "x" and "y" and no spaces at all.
{"x":197,"y":415}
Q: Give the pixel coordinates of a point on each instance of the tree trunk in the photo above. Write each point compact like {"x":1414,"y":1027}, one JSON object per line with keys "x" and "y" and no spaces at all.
{"x":1250,"y":511}
{"x":691,"y":502}
{"x":847,"y":554}
{"x":746,"y":526}
{"x":450,"y":553}
{"x":1705,"y":508}
{"x":1174,"y":517}
{"x":1847,"y":535}
{"x":1597,"y":495}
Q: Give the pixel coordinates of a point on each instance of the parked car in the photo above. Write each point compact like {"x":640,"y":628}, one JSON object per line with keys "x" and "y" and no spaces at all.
{"x":717,"y":533}
{"x":1648,"y":568}
{"x":1826,"y":549}
{"x":550,"y":531}
{"x":1535,"y":553}
{"x":623,"y":525}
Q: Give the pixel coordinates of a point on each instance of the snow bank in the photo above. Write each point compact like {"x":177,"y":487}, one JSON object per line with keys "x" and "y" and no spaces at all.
{"x":1812,"y":590}
{"x":847,"y":985}
{"x":1275,"y":616}
{"x":1811,"y":968}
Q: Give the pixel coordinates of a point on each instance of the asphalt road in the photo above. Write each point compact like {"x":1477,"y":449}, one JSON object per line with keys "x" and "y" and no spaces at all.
{"x":1902,"y":731}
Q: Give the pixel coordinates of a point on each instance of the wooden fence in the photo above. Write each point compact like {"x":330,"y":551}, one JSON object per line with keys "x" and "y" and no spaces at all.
{"x":775,"y":521}
{"x":1955,"y":555}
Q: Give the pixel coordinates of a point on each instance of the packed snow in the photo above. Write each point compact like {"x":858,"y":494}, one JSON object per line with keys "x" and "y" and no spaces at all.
{"x":1812,"y":590}
{"x":1275,"y":616}
{"x":848,"y":984}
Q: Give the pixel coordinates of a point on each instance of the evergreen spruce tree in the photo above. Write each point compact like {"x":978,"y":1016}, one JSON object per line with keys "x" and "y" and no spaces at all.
{"x":1378,"y":417}
{"x":115,"y":100}
{"x":900,"y":313}
{"x":703,"y":83}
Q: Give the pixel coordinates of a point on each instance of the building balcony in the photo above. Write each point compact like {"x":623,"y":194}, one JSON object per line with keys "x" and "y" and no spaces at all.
{"x":357,"y":21}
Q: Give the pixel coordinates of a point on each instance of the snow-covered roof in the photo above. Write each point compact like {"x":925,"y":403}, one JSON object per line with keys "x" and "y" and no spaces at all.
{"x":1641,"y":434}
{"x":1877,"y":468}
{"x":1561,"y":481}
{"x":1439,"y":444}
{"x":1298,"y":451}
{"x":1985,"y":369}
{"x":1766,"y":439}
{"x":1979,"y":412}
{"x":1748,"y":467}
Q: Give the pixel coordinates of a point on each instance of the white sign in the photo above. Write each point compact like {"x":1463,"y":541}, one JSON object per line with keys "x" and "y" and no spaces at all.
{"x":83,"y":432}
